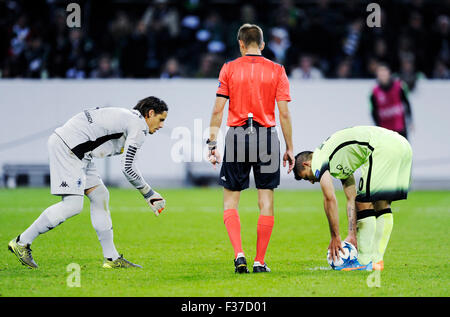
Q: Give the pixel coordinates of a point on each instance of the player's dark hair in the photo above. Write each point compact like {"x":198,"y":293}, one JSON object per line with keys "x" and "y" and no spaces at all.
{"x":298,"y":165}
{"x":250,"y":34}
{"x":151,"y":103}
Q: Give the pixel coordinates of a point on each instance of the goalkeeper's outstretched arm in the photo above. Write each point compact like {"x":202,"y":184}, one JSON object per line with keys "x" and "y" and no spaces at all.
{"x":134,"y":176}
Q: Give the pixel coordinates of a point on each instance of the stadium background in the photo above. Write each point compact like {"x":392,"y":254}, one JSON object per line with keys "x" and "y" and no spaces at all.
{"x":126,"y":50}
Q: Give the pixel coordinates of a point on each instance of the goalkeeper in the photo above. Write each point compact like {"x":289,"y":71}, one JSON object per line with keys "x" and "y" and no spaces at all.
{"x":95,"y":133}
{"x":385,"y":158}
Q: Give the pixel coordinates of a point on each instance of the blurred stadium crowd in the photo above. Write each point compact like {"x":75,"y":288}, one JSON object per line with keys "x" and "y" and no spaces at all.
{"x":191,"y":38}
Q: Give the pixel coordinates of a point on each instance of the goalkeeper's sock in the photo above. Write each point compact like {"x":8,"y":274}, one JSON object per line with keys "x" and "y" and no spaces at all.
{"x":101,"y":221}
{"x":385,"y":223}
{"x":366,"y":226}
{"x":39,"y":226}
{"x":233,"y":225}
{"x":264,"y":231}
{"x":53,"y":216}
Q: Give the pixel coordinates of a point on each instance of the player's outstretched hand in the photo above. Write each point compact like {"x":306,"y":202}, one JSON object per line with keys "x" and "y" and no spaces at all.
{"x":335,"y":247}
{"x":288,"y":157}
{"x":214,"y":157}
{"x":156,"y":203}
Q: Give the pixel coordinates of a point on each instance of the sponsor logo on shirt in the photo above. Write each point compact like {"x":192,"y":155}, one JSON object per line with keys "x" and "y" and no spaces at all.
{"x":345,"y":170}
{"x":395,"y":110}
{"x":88,"y":116}
{"x":317,"y":174}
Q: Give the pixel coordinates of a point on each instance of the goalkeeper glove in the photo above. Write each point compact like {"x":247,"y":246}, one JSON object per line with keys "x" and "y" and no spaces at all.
{"x":154,"y":199}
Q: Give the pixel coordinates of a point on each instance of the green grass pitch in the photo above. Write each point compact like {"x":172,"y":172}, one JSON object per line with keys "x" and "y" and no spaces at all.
{"x":186,"y":251}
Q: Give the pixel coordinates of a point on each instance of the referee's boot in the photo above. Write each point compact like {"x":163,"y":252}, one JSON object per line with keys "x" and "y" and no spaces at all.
{"x":260,"y":268}
{"x":120,"y":262}
{"x":240,"y":265}
{"x":23,"y":253}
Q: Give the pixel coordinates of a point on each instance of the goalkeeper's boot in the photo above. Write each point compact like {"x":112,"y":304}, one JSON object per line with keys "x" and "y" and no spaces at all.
{"x":379,"y":266}
{"x":260,"y":268}
{"x":120,"y":262}
{"x":354,"y":265}
{"x":23,"y":253}
{"x":240,"y":265}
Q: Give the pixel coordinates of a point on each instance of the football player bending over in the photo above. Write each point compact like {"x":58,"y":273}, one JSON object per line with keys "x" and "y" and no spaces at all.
{"x":385,"y":159}
{"x":95,"y":133}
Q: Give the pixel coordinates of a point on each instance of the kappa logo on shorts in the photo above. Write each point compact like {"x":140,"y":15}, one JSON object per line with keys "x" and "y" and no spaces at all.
{"x":79,"y":182}
{"x":63,"y":184}
{"x":223,"y":178}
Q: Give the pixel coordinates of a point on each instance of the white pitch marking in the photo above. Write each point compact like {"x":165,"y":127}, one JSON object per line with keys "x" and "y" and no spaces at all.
{"x":319,"y":268}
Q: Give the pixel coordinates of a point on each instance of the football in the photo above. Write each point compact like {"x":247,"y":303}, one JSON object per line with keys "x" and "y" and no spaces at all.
{"x":350,"y":253}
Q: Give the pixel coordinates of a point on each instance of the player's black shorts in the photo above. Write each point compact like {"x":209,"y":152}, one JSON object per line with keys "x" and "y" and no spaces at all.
{"x":244,"y":150}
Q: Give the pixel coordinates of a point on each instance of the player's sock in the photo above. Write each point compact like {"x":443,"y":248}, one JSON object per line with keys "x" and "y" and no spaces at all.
{"x":366,"y":227}
{"x":385,"y":223}
{"x":264,"y":231}
{"x":101,"y":221}
{"x":54,"y":215}
{"x":233,"y":225}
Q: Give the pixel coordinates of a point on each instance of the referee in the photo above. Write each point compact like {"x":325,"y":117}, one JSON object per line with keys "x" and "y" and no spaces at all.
{"x":252,"y":84}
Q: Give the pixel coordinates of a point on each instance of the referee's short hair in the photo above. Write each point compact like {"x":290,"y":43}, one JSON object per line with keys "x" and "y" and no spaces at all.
{"x":151,"y":103}
{"x":250,"y":34}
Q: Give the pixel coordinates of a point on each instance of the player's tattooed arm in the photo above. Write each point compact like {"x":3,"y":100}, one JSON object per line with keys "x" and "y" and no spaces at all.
{"x":350,"y":193}
{"x":331,"y":210}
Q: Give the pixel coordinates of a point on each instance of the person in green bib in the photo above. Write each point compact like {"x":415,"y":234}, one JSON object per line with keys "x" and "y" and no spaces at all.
{"x":385,"y":159}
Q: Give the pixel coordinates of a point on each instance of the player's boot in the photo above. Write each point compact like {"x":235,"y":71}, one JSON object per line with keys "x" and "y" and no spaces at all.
{"x":354,"y":265}
{"x":240,"y":265}
{"x":120,"y":262}
{"x":23,"y":253}
{"x":379,"y":266}
{"x":260,"y":268}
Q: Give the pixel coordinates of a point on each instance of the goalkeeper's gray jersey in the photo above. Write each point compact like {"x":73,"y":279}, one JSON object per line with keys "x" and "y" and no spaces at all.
{"x":102,"y":132}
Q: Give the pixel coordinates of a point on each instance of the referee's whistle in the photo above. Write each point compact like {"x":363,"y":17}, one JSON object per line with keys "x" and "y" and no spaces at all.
{"x":250,"y":122}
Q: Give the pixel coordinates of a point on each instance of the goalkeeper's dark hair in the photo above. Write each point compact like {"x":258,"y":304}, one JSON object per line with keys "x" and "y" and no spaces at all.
{"x":299,"y":159}
{"x":151,"y":103}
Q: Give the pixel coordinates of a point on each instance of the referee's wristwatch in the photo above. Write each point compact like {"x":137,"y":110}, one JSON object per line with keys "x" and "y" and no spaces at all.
{"x":211,"y":144}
